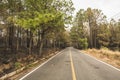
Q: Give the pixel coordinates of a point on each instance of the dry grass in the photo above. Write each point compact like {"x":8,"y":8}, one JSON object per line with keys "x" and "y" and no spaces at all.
{"x":106,"y":55}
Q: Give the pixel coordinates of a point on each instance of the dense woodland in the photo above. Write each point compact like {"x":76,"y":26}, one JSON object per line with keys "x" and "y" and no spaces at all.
{"x":29,"y":24}
{"x":30,"y":27}
{"x":92,"y":30}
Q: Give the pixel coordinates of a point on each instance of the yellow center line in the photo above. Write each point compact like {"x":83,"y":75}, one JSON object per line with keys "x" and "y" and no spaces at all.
{"x":72,"y":67}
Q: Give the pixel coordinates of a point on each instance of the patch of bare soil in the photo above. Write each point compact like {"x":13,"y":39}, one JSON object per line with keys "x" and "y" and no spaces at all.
{"x":108,"y":56}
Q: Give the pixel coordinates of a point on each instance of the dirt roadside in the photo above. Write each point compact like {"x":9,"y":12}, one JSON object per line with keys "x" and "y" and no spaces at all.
{"x":32,"y":66}
{"x":108,"y":56}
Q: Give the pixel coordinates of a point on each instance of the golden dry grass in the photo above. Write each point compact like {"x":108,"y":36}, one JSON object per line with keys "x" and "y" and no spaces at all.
{"x":106,"y":55}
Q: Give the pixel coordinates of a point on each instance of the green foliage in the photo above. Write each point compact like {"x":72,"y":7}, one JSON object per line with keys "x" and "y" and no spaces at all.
{"x":45,"y":13}
{"x":78,"y":36}
{"x":83,"y":44}
{"x":104,"y":48}
{"x":18,"y":65}
{"x":103,"y":35}
{"x":92,"y":24}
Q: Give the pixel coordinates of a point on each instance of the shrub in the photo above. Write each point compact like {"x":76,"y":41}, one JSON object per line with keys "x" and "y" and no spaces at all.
{"x":18,"y":65}
{"x":83,"y":44}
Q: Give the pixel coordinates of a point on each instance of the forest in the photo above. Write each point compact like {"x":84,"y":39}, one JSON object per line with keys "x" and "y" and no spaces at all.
{"x":91,"y":29}
{"x":31,"y":28}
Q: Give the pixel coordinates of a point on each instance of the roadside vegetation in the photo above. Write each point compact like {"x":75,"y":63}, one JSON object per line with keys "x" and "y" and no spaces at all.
{"x":104,"y":54}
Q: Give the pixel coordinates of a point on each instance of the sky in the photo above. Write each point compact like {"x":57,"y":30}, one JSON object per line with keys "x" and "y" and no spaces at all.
{"x":110,"y":8}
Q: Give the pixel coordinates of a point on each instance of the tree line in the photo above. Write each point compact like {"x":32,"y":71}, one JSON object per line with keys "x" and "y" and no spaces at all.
{"x":32,"y":25}
{"x":91,"y":29}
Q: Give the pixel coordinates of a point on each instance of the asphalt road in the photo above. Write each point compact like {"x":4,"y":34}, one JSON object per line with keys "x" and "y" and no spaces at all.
{"x":70,"y":64}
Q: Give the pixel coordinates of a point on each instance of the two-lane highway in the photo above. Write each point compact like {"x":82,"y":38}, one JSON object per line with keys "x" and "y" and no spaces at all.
{"x":70,"y":64}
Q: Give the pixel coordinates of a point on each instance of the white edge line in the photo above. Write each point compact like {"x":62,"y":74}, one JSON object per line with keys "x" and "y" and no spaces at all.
{"x":101,"y":61}
{"x":41,"y":65}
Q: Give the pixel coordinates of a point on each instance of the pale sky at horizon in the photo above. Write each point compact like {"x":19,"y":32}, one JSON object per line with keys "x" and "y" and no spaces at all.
{"x":109,"y":7}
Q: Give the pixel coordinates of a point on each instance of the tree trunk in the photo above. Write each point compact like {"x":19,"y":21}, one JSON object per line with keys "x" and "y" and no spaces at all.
{"x":17,"y":45}
{"x":38,"y":41}
{"x":41,"y":48}
{"x":41,"y":43}
{"x":91,"y":33}
{"x":11,"y":36}
{"x":30,"y":43}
